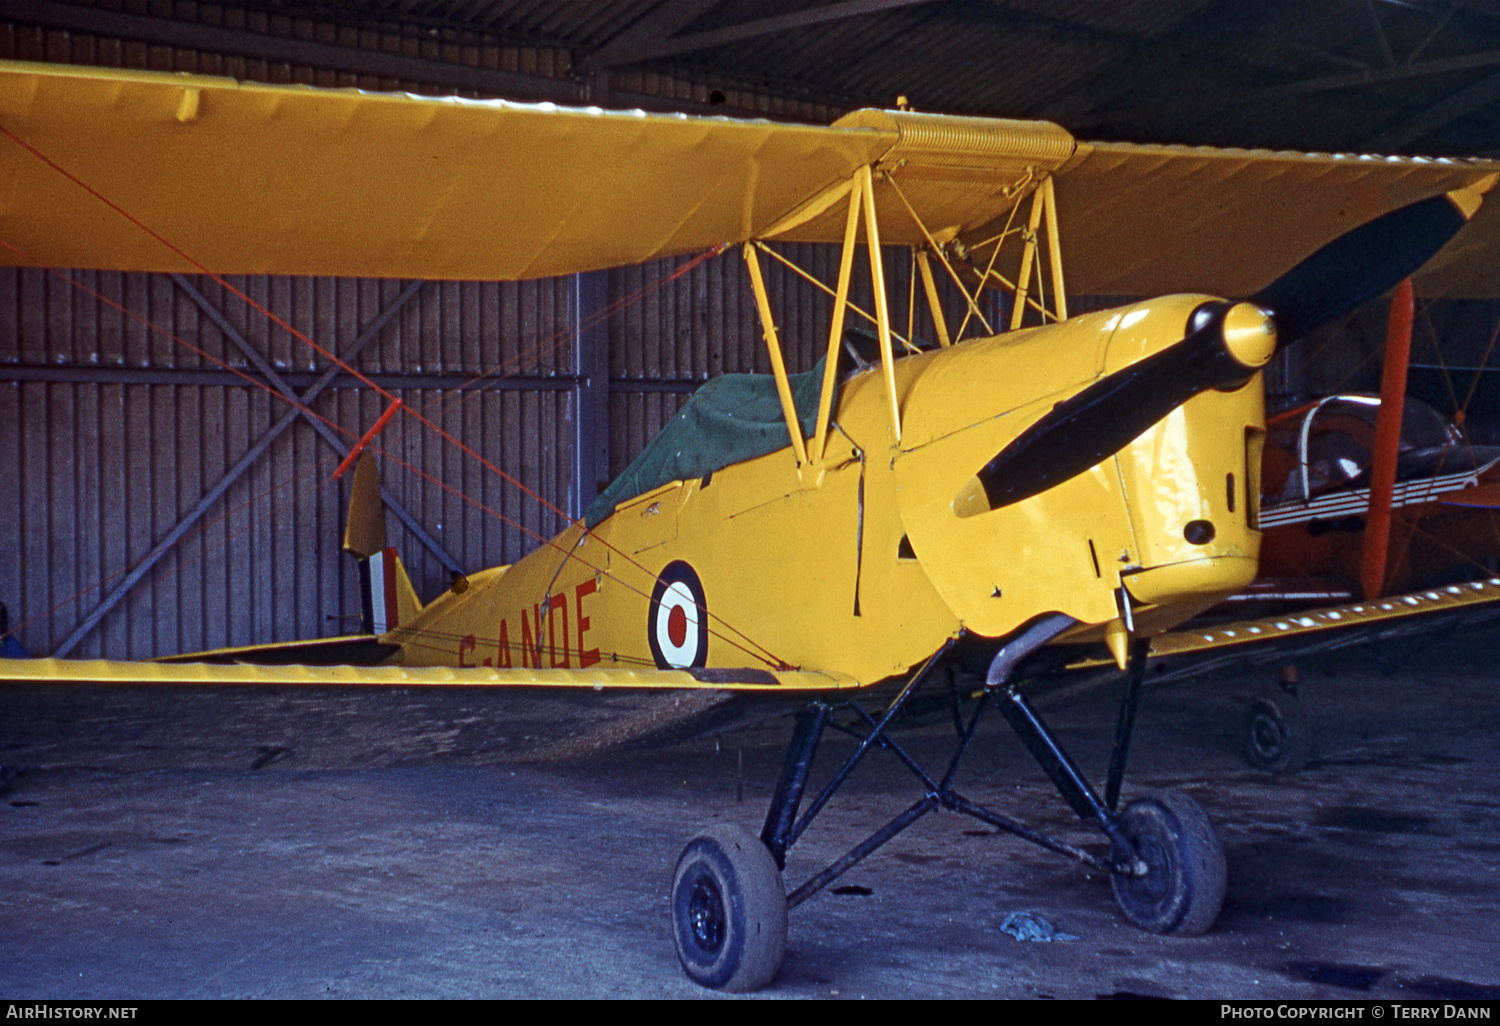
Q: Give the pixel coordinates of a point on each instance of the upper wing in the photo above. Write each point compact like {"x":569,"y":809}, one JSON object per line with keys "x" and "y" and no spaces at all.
{"x":155,"y":172}
{"x":1147,"y":220}
{"x":248,"y":178}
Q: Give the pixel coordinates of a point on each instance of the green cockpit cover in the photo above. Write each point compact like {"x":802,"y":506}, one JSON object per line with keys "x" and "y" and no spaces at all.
{"x":731,"y":418}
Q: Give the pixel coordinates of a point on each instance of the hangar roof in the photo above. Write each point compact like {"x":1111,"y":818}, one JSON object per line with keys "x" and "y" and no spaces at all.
{"x":1388,"y":76}
{"x":1391,"y":76}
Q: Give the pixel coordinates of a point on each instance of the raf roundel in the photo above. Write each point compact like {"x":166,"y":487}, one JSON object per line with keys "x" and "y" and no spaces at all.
{"x":677,"y":626}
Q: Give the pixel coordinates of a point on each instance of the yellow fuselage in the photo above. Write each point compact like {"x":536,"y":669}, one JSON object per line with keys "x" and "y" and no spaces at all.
{"x":868,"y":564}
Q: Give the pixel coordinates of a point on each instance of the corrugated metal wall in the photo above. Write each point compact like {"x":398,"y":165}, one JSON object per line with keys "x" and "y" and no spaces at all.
{"x":112,"y":432}
{"x":113,"y":429}
{"x":29,"y":42}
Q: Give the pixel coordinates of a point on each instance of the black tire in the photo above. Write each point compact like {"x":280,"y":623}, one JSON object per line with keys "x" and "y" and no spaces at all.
{"x":1277,"y":736}
{"x":729,"y":910}
{"x":1182,"y":889}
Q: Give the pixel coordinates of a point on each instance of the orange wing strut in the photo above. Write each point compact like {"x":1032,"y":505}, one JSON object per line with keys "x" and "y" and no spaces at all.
{"x":1372,"y":567}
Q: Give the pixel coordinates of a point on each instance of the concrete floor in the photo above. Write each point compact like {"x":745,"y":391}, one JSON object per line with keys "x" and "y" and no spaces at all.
{"x":295,"y":844}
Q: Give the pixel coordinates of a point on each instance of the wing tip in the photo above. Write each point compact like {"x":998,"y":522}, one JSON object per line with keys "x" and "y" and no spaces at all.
{"x":1469,"y":199}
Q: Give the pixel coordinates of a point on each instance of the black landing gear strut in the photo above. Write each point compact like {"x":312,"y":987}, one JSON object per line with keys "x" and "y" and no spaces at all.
{"x":729,"y":907}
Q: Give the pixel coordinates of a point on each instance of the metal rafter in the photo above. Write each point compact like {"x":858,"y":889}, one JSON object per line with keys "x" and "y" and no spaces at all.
{"x":1439,"y":115}
{"x":1303,"y":88}
{"x":656,"y":48}
{"x":1142,"y":59}
{"x":1080,"y":108}
{"x":649,"y":32}
{"x":515,"y":85}
{"x":1387,"y":56}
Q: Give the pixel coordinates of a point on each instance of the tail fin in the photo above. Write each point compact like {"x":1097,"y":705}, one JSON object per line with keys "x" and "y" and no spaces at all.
{"x":387,"y":598}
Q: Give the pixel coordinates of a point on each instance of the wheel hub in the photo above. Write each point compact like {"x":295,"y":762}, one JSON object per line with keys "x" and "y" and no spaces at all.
{"x":706,"y":914}
{"x":1152,"y":884}
{"x":1266,"y":735}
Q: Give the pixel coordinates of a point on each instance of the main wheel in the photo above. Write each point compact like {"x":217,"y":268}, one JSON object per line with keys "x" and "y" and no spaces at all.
{"x":729,"y":910}
{"x":1277,"y":736}
{"x":1182,"y":889}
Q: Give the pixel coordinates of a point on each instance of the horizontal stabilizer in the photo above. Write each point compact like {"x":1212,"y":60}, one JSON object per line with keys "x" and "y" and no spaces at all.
{"x":350,"y":650}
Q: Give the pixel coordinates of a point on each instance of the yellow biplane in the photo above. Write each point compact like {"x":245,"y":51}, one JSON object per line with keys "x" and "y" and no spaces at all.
{"x":1056,"y":483}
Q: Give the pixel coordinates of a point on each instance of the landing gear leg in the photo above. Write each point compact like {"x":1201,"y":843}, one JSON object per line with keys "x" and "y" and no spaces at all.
{"x":729,"y":906}
{"x":1166,"y":864}
{"x":729,"y":909}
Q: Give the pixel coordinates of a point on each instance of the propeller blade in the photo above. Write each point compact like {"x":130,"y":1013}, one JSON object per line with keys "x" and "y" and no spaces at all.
{"x":1229,"y":343}
{"x":1367,"y":261}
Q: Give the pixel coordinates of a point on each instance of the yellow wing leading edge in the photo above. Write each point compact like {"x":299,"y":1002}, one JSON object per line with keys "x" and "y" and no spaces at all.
{"x":261,"y":179}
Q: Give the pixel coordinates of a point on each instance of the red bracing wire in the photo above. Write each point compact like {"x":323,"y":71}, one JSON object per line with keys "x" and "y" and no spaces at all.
{"x":773,"y":660}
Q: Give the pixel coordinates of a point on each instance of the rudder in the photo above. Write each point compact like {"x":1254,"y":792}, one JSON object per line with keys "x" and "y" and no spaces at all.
{"x":387,"y":598}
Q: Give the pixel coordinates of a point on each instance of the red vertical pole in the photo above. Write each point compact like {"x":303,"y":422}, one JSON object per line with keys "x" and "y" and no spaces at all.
{"x":1372,"y":569}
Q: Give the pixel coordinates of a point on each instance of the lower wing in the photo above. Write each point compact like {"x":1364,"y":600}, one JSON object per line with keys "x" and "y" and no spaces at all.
{"x":1203,"y":651}
{"x":220,"y":671}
